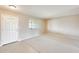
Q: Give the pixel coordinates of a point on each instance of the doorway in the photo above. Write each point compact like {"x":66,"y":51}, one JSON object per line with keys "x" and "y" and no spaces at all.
{"x":9,"y":29}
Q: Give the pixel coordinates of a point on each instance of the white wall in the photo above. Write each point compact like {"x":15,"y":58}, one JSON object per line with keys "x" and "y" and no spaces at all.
{"x":66,"y":25}
{"x":25,"y":32}
{"x":23,"y":24}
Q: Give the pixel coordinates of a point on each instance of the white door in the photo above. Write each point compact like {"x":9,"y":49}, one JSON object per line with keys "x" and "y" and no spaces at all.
{"x":9,"y":29}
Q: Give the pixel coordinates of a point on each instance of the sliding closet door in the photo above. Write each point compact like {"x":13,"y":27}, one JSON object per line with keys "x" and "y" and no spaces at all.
{"x":9,"y":29}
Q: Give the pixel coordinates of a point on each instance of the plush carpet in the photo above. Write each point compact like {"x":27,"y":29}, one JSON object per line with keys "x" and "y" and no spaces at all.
{"x":46,"y":43}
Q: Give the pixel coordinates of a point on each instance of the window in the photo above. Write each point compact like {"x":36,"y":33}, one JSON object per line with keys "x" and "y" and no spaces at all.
{"x":33,"y":25}
{"x":30,"y":24}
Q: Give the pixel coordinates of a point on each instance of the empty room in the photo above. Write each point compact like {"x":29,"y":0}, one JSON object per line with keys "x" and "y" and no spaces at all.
{"x":39,"y":29}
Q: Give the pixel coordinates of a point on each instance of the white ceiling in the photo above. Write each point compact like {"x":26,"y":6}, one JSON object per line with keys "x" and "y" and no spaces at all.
{"x":47,"y":11}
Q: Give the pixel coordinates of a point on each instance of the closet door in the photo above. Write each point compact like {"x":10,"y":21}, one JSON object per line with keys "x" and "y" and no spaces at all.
{"x":9,"y":29}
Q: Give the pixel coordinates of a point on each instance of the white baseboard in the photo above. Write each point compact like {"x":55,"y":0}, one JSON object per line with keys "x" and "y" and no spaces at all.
{"x":1,"y":45}
{"x":20,"y":39}
{"x":27,"y":38}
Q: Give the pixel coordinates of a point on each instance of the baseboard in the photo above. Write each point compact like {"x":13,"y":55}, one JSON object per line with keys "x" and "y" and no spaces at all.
{"x":1,"y":45}
{"x":28,"y":38}
{"x":7,"y":43}
{"x":21,"y":40}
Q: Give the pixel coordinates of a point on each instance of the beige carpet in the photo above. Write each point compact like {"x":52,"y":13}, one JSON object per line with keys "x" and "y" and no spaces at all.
{"x":47,"y":43}
{"x":17,"y":47}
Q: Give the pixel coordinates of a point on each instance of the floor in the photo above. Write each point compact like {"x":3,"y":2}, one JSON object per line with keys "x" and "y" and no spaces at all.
{"x":46,"y":43}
